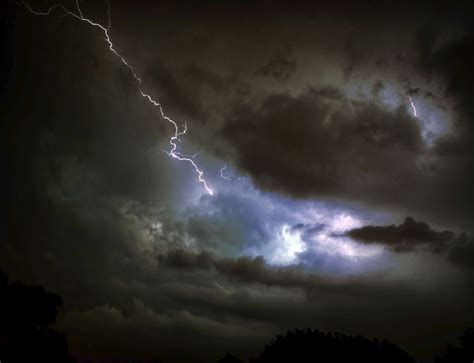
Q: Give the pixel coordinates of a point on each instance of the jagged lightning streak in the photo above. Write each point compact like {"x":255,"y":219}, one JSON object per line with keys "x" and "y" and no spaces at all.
{"x":222,"y":173}
{"x":177,"y":133}
{"x":413,"y":106}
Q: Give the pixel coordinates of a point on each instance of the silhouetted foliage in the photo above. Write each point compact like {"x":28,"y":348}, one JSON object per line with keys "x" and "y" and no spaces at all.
{"x":463,"y":353}
{"x":26,"y":313}
{"x":301,"y":346}
{"x":229,"y":358}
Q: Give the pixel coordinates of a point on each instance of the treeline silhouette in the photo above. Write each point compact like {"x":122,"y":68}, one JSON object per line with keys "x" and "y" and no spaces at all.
{"x":305,"y":346}
{"x":27,"y":314}
{"x":462,"y":353}
{"x":313,"y":346}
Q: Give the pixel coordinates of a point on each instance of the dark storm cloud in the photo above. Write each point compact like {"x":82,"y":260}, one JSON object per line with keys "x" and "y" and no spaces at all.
{"x":462,"y":253}
{"x":324,"y":299}
{"x":87,"y":196}
{"x":411,"y":236}
{"x":451,"y":63}
{"x":413,"y":91}
{"x":173,"y":85}
{"x":280,"y":66}
{"x":219,"y":310}
{"x":247,"y":270}
{"x":319,"y":143}
{"x":242,"y":269}
{"x":81,"y":163}
{"x":405,"y":237}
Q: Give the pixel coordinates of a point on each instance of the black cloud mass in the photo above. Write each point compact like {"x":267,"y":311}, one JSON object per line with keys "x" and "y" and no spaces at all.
{"x":320,"y":126}
{"x":405,"y":237}
{"x":331,"y":148}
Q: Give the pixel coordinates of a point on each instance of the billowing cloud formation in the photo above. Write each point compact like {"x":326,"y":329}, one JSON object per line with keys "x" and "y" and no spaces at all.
{"x":448,"y":62}
{"x":318,"y":141}
{"x":280,"y":66}
{"x":242,"y":269}
{"x":321,"y":144}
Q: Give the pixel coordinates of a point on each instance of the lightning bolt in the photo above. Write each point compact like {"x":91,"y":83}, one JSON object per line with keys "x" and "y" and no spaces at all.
{"x":105,"y":29}
{"x":222,"y":173}
{"x":413,"y":106}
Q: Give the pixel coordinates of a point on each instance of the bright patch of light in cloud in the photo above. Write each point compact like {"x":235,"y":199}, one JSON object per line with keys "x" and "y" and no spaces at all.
{"x":285,"y":249}
{"x":344,"y":222}
{"x":336,"y":245}
{"x":241,"y":220}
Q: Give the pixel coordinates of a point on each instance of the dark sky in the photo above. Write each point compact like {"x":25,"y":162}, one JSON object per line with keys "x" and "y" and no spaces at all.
{"x":337,"y":138}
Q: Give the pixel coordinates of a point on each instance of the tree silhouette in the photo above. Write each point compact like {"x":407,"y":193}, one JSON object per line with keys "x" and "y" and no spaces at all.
{"x":305,"y":346}
{"x":463,"y":353}
{"x":229,"y":358}
{"x":26,"y":313}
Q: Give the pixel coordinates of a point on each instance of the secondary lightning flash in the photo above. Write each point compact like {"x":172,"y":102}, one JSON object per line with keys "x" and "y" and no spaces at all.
{"x":177,"y":133}
{"x":413,"y":106}
{"x":222,"y":173}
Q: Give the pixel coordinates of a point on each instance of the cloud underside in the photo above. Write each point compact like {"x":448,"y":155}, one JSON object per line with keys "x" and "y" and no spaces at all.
{"x":411,"y":236}
{"x":405,"y":237}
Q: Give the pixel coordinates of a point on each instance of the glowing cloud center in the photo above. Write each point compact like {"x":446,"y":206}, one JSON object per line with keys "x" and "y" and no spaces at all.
{"x":288,"y":247}
{"x":177,"y":133}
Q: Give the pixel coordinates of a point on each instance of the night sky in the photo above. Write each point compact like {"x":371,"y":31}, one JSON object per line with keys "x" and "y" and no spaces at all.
{"x":337,"y":139}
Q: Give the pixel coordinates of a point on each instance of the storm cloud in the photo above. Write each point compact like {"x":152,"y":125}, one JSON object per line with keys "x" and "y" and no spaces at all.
{"x":405,"y":237}
{"x":333,"y":147}
{"x":307,"y":111}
